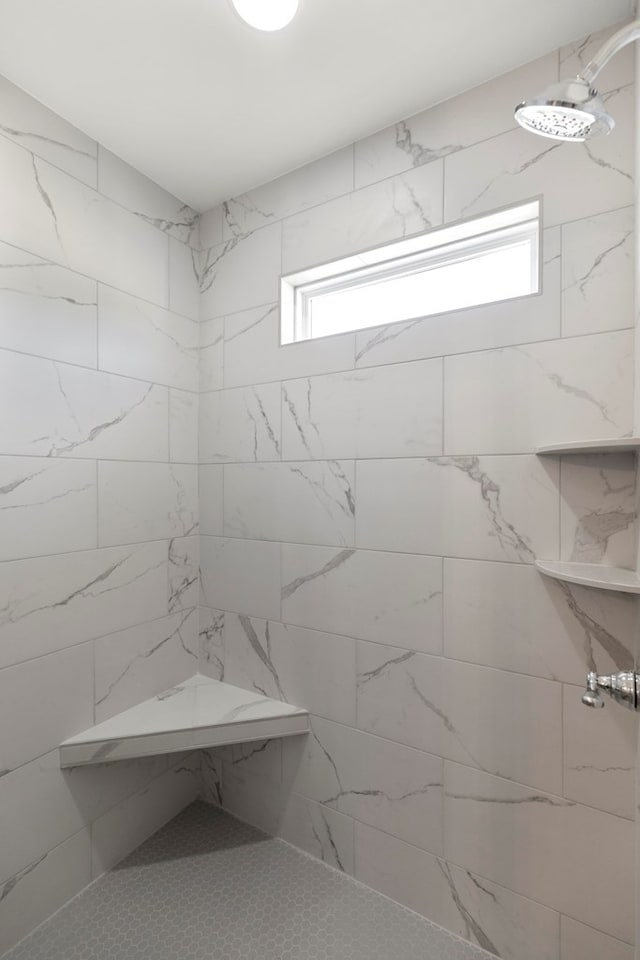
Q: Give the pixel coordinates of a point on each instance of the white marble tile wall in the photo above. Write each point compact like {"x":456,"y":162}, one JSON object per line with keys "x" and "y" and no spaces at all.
{"x":451,"y":764}
{"x":99,"y":303}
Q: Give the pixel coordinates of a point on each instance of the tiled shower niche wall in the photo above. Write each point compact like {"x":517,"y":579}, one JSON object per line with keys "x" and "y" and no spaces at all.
{"x":371,"y":507}
{"x":98,"y":498}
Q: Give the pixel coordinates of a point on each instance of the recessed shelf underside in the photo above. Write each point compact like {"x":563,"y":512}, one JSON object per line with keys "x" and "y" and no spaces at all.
{"x":592,"y":575}
{"x":195,"y":714}
{"x":620,"y":445}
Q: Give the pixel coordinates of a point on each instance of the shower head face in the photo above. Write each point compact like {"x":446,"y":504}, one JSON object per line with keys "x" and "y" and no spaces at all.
{"x":569,"y":110}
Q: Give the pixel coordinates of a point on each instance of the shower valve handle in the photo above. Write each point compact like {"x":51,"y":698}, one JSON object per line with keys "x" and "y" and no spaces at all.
{"x":623,"y":687}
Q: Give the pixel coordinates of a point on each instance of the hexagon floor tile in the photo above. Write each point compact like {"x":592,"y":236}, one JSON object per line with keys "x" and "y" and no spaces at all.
{"x":207,"y":887}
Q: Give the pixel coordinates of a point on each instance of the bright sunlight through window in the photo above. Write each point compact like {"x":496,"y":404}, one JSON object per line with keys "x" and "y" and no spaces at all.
{"x":484,"y":260}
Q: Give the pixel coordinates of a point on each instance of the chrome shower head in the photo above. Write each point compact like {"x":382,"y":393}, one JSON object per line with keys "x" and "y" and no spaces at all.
{"x":568,"y":110}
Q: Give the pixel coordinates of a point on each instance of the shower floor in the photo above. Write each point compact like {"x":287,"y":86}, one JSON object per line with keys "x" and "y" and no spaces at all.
{"x":207,"y":887}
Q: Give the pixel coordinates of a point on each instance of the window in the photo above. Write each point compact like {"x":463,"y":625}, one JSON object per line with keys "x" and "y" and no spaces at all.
{"x":484,"y":260}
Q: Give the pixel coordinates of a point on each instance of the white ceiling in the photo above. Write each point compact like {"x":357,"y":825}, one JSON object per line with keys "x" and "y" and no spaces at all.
{"x":208,"y":107}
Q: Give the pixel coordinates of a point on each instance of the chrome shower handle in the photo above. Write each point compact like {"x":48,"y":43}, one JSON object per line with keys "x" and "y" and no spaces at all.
{"x":622,"y":687}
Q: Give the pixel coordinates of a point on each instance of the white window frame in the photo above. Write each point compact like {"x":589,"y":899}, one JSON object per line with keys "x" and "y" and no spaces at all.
{"x":450,"y":244}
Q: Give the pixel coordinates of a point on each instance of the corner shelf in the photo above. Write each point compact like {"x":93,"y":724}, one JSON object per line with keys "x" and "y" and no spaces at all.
{"x":592,"y":575}
{"x":620,"y":445}
{"x":193,"y":715}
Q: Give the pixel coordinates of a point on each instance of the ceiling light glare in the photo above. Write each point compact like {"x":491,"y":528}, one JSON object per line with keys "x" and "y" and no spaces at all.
{"x":267,"y":14}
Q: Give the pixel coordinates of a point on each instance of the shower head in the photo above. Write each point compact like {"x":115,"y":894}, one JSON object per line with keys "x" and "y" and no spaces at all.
{"x":568,"y":110}
{"x":572,"y":109}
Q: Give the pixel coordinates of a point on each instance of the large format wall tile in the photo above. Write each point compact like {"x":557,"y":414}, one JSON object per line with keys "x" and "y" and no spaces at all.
{"x":313,"y":184}
{"x":509,"y":616}
{"x":211,"y":354}
{"x":578,"y":941}
{"x":303,"y":667}
{"x":62,"y":410}
{"x":142,"y":661}
{"x":183,"y":559}
{"x":476,"y":115}
{"x":298,"y":502}
{"x":183,"y":426}
{"x":52,"y":215}
{"x":320,"y":831}
{"x":394,"y":208}
{"x":503,"y":723}
{"x":358,"y":593}
{"x":242,"y":424}
{"x":32,"y":719}
{"x":511,"y":400}
{"x":32,"y":125}
{"x":542,"y":847}
{"x":241,"y":575}
{"x":210,"y":493}
{"x":138,"y":339}
{"x":597,"y":273}
{"x":592,"y":178}
{"x":45,"y":309}
{"x":146,"y":501}
{"x":394,"y":788}
{"x":184,"y":280}
{"x":58,"y":601}
{"x":224,"y":268}
{"x":490,"y":508}
{"x":394,"y":411}
{"x":253,"y":354}
{"x":508,"y":925}
{"x":46,"y":506}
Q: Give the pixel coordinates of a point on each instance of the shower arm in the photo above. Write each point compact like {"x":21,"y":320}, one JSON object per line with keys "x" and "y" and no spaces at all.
{"x":626,"y":35}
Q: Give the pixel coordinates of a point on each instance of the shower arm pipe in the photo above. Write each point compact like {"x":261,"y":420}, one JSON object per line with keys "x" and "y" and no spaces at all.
{"x":626,"y":35}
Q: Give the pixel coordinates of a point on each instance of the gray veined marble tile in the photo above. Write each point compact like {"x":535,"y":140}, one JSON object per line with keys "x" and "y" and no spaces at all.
{"x":593,"y":178}
{"x":138,"y":339}
{"x":241,"y":575}
{"x":183,"y":569}
{"x":60,"y":600}
{"x":211,"y":776}
{"x":308,"y":186}
{"x":211,"y":354}
{"x":184,"y":285}
{"x":578,"y":939}
{"x":394,"y":788}
{"x":463,"y":712}
{"x":135,"y":664}
{"x":502,"y":922}
{"x":211,"y":227}
{"x":508,"y":616}
{"x":390,"y":411}
{"x":146,"y":501}
{"x":307,"y":668}
{"x":597,"y":512}
{"x":575,"y":56}
{"x":253,"y":354}
{"x":358,"y":593}
{"x":597,"y":273}
{"x":32,"y":721}
{"x":599,"y":757}
{"x":240,"y":424}
{"x":534,"y":844}
{"x":144,"y":198}
{"x":398,"y":207}
{"x":55,"y":216}
{"x":300,"y":502}
{"x":522,"y":320}
{"x":62,"y":411}
{"x":513,"y":399}
{"x":487,"y":508}
{"x":210,"y":490}
{"x":211,"y":654}
{"x":32,"y":125}
{"x":321,"y":831}
{"x":261,"y":758}
{"x":224,"y":270}
{"x":458,"y":122}
{"x":46,"y":506}
{"x":40,"y":889}
{"x":45,"y":309}
{"x":183,"y":426}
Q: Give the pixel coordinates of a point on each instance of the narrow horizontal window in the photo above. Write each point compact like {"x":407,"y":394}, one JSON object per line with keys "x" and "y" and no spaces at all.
{"x":479,"y":261}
